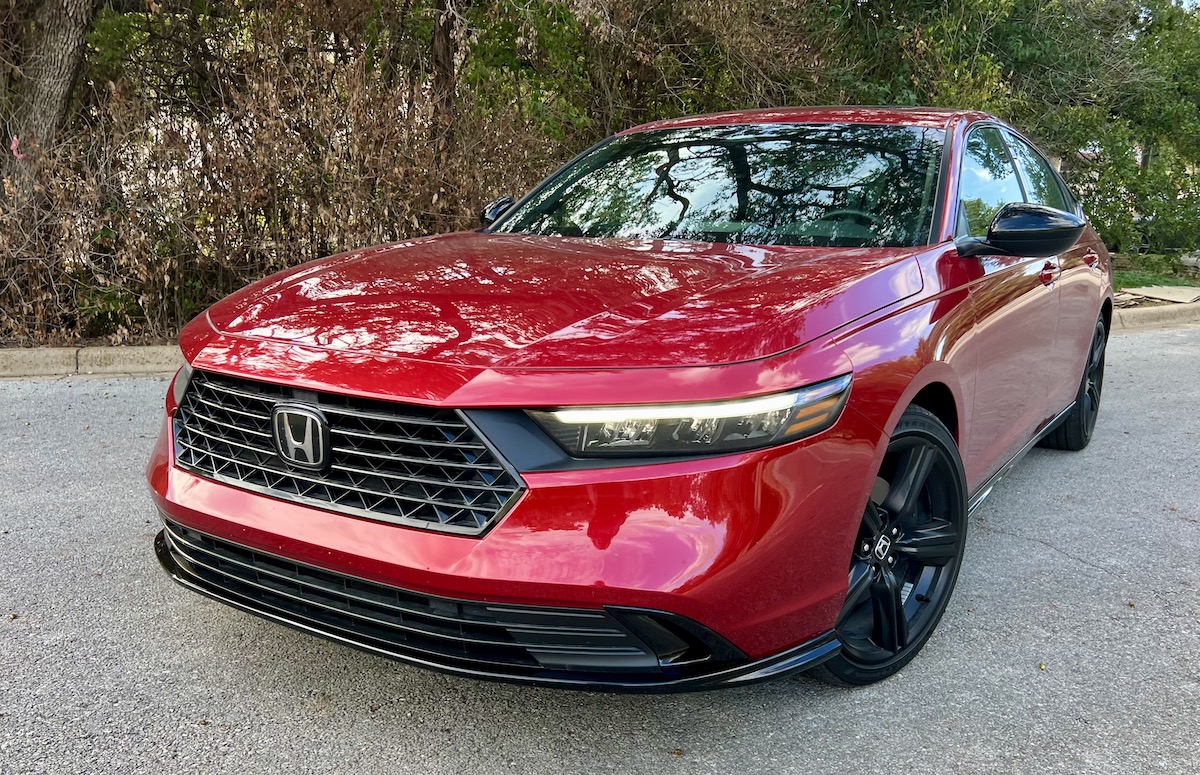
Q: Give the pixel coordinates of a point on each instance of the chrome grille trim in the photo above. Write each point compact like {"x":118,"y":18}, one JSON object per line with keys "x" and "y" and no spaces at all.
{"x":398,"y":463}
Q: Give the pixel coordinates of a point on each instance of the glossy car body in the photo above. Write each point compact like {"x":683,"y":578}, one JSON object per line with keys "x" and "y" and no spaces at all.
{"x":749,"y":549}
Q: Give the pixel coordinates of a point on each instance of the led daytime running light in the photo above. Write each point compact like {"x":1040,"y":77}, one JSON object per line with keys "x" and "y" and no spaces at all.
{"x":708,"y":411}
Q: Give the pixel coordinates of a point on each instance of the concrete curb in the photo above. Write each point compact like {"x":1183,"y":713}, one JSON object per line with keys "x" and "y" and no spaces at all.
{"x":1155,"y":317}
{"x":72,"y":361}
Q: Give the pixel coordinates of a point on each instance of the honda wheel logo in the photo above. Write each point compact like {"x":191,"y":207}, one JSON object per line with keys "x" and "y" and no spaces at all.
{"x":301,"y":436}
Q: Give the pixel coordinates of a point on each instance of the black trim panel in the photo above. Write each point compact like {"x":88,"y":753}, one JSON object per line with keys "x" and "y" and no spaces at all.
{"x":528,"y":448}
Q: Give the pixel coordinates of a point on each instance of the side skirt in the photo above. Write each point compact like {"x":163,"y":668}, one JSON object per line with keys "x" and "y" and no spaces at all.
{"x":983,"y":492}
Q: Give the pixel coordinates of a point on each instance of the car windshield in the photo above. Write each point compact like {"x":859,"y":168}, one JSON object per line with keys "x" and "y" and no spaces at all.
{"x":846,"y":185}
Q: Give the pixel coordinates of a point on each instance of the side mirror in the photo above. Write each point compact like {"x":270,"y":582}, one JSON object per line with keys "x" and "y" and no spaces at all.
{"x":494,"y":210}
{"x":1023,"y":229}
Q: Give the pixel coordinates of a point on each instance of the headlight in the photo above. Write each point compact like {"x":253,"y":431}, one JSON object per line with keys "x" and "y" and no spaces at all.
{"x":696,"y":429}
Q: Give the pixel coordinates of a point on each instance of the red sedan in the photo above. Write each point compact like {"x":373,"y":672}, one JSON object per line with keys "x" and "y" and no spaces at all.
{"x":711,"y":405}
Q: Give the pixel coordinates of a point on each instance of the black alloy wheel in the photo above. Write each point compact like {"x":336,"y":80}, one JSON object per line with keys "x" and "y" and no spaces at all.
{"x":907,"y":554}
{"x":1074,"y":432}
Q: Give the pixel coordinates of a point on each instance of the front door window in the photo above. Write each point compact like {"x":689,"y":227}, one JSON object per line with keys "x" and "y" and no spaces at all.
{"x":988,"y":181}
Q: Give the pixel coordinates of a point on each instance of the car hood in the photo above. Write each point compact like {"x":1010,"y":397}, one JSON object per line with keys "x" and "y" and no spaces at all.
{"x":513,"y":301}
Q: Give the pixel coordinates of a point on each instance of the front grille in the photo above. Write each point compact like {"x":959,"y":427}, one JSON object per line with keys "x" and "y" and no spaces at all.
{"x":398,"y":463}
{"x":514,"y":640}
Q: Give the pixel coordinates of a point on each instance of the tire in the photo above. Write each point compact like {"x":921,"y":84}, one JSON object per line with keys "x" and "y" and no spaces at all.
{"x":1075,"y":430}
{"x":906,"y":556}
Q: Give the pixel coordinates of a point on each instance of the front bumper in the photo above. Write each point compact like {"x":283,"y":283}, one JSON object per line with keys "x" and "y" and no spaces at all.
{"x":609,"y":649}
{"x":743,"y":557}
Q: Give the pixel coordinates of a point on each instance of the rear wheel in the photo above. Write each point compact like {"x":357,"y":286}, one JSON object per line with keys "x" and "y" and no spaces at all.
{"x":1075,"y":430}
{"x":906,"y":557}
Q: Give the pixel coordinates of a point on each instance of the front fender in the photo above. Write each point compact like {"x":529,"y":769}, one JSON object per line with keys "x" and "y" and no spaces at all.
{"x":898,"y":356}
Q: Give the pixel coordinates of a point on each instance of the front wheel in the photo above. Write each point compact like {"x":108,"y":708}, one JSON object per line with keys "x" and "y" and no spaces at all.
{"x":906,"y":556}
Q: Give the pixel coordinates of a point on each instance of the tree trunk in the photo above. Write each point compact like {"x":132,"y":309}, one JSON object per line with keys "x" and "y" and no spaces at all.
{"x":444,"y":53}
{"x":50,"y":66}
{"x":444,"y":49}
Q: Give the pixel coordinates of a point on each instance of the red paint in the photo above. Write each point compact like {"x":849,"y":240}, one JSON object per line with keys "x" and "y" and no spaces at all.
{"x":510,"y":301}
{"x":754,"y":545}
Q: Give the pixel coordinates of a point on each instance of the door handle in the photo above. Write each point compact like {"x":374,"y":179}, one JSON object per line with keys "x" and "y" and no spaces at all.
{"x":1049,"y":273}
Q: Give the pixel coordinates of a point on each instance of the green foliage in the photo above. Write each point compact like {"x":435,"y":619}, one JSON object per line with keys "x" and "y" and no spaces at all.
{"x":1137,"y":278}
{"x":1138,"y":270}
{"x":112,"y":43}
{"x":1166,"y":107}
{"x":529,"y":54}
{"x":1156,"y":263}
{"x":103,"y":311}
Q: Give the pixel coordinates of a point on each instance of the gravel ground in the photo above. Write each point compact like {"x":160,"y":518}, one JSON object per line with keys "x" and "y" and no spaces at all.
{"x":1071,"y":645}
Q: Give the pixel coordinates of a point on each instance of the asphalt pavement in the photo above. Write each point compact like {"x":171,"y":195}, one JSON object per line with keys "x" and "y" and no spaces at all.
{"x":1072,"y":644}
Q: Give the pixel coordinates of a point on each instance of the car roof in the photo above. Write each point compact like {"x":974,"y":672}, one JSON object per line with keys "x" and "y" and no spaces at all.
{"x":938,"y":118}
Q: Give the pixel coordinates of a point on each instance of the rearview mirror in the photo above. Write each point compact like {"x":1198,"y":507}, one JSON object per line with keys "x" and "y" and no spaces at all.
{"x":1023,"y":229}
{"x":494,"y":210}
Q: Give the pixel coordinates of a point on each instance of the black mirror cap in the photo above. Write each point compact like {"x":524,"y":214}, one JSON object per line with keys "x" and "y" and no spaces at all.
{"x":493,"y":211}
{"x":1024,"y":229}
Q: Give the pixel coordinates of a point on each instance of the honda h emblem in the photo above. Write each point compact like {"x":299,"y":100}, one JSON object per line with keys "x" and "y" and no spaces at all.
{"x":301,"y":436}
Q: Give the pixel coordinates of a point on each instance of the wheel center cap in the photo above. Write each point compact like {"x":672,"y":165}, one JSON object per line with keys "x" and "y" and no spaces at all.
{"x":883,"y":545}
